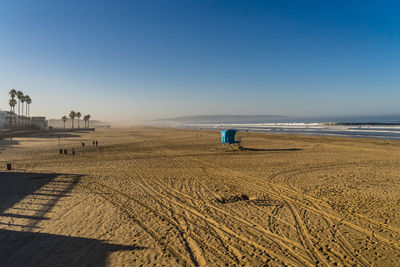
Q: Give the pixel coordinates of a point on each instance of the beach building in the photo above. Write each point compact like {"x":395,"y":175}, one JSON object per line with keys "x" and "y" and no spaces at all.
{"x":3,"y":119}
{"x":8,"y":120}
{"x":39,"y":122}
{"x":23,"y":121}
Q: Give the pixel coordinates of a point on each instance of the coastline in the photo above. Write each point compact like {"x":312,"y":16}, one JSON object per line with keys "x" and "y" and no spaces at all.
{"x":382,"y":131}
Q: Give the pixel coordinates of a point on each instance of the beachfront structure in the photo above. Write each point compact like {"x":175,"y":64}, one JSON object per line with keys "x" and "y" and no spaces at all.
{"x":22,"y":121}
{"x":9,"y":120}
{"x":228,"y":137}
{"x":39,"y":122}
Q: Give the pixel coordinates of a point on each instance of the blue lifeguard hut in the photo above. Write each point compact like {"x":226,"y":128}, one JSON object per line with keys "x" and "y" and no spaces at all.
{"x":228,"y":137}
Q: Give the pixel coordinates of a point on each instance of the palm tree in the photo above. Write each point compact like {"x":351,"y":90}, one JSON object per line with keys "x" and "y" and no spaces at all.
{"x":28,"y":101}
{"x":12,"y":94}
{"x":64,"y":119}
{"x":20,"y":95}
{"x":86,"y":118}
{"x":78,"y":115}
{"x":72,"y":115}
{"x":12,"y":102}
{"x":22,"y":101}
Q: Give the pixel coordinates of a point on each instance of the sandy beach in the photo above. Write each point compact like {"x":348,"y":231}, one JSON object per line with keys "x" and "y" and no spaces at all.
{"x":161,"y":196}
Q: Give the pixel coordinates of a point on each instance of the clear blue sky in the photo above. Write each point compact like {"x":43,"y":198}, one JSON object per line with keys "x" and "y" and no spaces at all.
{"x":134,"y":60}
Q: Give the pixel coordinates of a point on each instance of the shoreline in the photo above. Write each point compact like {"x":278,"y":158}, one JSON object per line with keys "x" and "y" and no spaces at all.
{"x":331,"y":130}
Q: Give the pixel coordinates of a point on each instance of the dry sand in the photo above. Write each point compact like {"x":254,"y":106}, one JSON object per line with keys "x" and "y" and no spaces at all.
{"x":158,"y":196}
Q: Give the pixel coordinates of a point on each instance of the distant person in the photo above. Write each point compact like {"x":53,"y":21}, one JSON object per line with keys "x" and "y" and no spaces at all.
{"x":96,"y":143}
{"x":73,"y":152}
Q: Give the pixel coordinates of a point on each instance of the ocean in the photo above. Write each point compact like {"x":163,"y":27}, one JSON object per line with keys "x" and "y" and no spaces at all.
{"x":385,"y":127}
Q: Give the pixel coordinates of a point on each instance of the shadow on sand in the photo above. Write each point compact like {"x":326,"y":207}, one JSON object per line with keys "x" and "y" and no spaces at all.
{"x":7,"y":142}
{"x":15,"y":186}
{"x":55,"y":135}
{"x":213,"y":153}
{"x":27,"y":199}
{"x":40,"y":249}
{"x":271,"y":149}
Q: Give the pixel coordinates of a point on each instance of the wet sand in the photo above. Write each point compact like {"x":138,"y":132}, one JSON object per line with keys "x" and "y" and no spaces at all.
{"x":163,"y":196}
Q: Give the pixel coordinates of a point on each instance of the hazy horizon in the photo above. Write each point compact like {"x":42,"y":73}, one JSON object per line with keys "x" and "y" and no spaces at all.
{"x":138,"y":61}
{"x":386,"y":118}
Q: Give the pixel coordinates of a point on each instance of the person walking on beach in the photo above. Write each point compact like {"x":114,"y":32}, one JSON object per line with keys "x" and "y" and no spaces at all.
{"x":96,"y":143}
{"x":93,"y":142}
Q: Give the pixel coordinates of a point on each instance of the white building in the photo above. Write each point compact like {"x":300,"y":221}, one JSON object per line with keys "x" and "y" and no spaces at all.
{"x":3,"y":119}
{"x":8,"y":120}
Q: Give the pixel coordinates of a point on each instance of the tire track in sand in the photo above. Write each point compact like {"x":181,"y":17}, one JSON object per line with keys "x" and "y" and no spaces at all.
{"x":344,"y":243}
{"x":273,"y":237}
